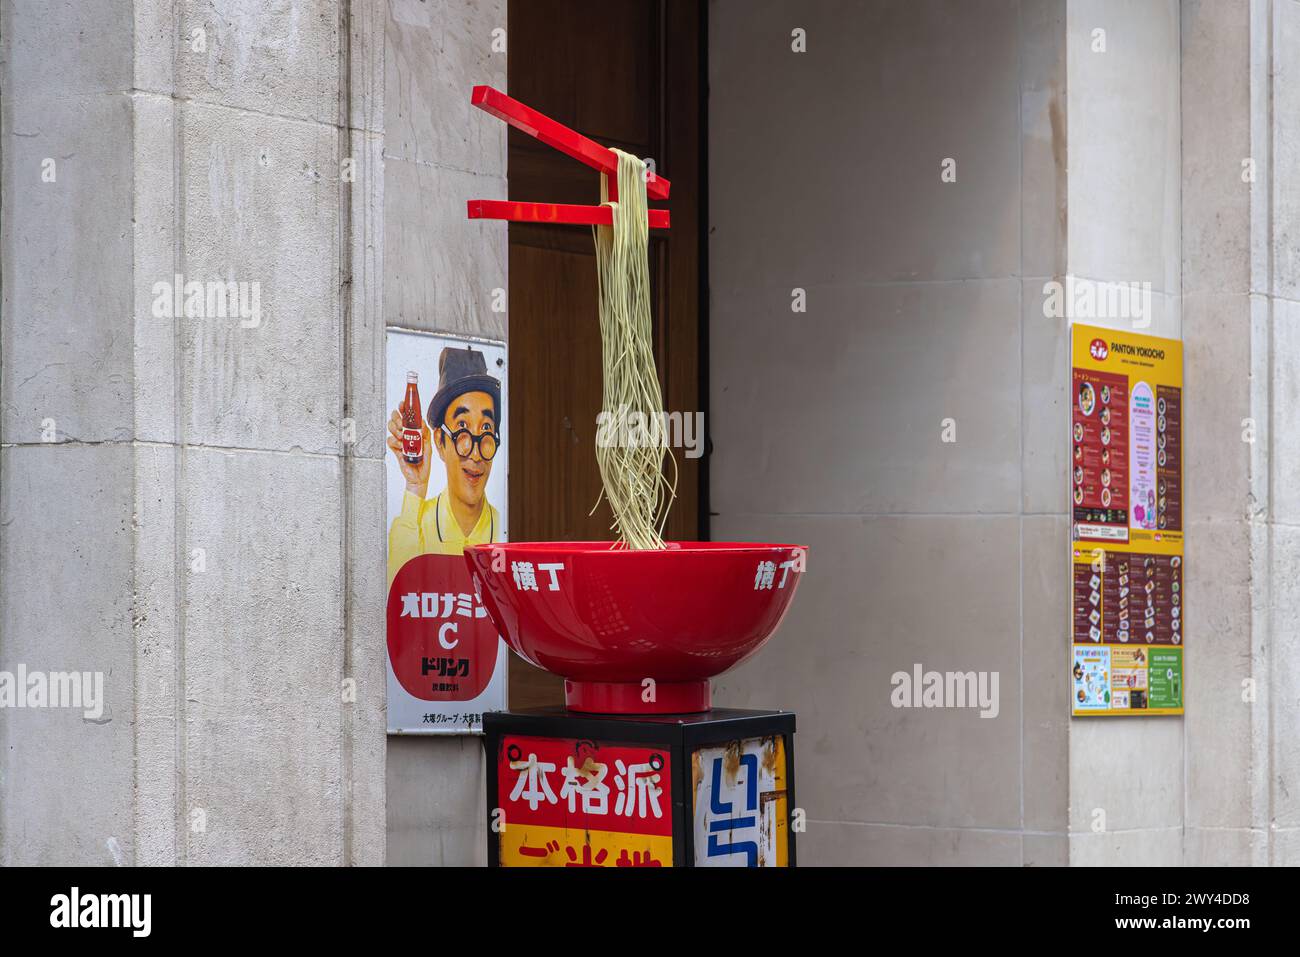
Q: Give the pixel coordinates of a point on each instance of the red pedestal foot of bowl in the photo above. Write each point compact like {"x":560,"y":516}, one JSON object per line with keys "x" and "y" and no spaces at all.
{"x":627,"y":697}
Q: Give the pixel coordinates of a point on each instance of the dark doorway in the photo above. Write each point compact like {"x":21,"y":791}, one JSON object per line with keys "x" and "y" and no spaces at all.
{"x":627,"y":73}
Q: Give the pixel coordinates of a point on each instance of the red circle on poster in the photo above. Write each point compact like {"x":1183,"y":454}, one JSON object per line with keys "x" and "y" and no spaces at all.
{"x":1098,"y":349}
{"x":442,"y":646}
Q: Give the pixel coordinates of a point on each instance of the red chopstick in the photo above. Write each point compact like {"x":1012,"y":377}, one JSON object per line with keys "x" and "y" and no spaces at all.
{"x":571,"y":143}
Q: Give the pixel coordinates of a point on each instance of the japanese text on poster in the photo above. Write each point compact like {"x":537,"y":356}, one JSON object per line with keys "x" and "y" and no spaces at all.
{"x":740,"y":804}
{"x":1126,"y":486}
{"x":570,"y":803}
{"x":446,"y":489}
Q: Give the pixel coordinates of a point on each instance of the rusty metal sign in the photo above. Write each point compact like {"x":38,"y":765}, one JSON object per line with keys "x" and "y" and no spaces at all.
{"x":740,"y":804}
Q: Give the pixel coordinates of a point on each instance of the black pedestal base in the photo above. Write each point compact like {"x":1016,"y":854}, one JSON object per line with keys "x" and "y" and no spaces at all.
{"x":576,"y":790}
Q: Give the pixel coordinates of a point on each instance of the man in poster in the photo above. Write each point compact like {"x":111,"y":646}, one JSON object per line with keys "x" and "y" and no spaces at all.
{"x":442,"y":646}
{"x":464,"y":413}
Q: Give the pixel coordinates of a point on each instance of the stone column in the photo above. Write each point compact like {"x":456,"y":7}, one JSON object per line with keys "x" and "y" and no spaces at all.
{"x":1125,"y":774}
{"x":440,"y":273}
{"x":1241,"y":286}
{"x":191,"y":505}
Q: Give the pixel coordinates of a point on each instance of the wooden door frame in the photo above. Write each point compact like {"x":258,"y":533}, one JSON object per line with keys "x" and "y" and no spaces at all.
{"x":686,"y":255}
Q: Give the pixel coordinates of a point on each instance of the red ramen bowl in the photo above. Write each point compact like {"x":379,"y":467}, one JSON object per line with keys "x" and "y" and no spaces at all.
{"x":636,"y":632}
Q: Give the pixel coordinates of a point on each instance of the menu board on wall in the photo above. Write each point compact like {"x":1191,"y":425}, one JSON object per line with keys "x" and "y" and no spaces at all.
{"x":1126,"y":478}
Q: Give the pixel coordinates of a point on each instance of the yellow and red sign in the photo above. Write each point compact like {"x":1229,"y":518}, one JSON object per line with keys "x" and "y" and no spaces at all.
{"x":1126,"y":487}
{"x":573,"y":803}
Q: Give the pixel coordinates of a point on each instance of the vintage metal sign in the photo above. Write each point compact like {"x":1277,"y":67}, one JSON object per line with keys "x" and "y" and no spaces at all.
{"x":446,"y":489}
{"x":565,"y":802}
{"x":740,"y":804}
{"x":566,"y":789}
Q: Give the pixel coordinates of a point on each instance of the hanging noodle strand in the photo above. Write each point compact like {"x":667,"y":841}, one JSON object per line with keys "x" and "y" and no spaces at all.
{"x":634,"y":444}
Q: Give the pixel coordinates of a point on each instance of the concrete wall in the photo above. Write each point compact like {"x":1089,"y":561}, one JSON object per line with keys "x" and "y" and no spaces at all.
{"x":208,"y":519}
{"x":1152,"y":107}
{"x":1241,"y":289}
{"x":185,"y":504}
{"x":1198,"y":89}
{"x":439,"y":273}
{"x":924,"y":304}
{"x":1127,"y":776}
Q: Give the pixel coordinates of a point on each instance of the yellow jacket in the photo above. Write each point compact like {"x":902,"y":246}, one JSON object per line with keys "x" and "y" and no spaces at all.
{"x":427,"y":527}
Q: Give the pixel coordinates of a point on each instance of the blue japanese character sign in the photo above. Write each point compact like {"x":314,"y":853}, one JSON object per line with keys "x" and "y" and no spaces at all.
{"x":741,"y":814}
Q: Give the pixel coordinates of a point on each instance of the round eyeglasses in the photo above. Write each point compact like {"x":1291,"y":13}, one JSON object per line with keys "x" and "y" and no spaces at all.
{"x":463,"y":441}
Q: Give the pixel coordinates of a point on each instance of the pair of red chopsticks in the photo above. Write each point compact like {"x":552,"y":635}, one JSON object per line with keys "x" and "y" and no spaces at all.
{"x":568,"y":141}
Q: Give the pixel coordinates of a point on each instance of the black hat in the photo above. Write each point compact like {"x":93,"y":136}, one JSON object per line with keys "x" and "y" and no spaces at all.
{"x":461,"y":371}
